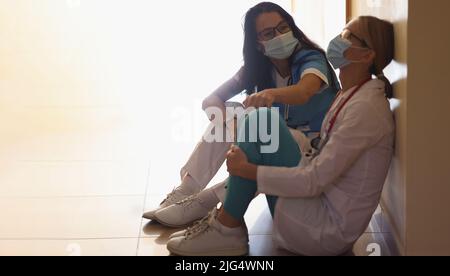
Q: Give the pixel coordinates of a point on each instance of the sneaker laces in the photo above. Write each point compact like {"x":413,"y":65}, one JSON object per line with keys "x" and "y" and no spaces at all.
{"x":196,"y":224}
{"x":187,"y":201}
{"x":169,"y":196}
{"x":201,"y":226}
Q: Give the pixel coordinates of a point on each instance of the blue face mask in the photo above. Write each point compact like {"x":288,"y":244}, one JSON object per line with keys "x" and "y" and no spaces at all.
{"x":336,"y":50}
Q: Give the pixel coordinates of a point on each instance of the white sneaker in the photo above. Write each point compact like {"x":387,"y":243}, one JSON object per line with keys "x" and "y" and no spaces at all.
{"x":211,"y":238}
{"x":182,"y":213}
{"x":172,"y":198}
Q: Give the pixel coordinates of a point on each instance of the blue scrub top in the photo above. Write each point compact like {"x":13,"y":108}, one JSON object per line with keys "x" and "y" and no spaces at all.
{"x":309,"y":117}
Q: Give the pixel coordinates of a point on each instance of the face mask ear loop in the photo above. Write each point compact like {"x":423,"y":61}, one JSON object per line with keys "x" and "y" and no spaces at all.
{"x":359,"y":48}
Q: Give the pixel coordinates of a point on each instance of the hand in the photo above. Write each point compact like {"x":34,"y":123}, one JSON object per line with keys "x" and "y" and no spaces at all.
{"x":261,"y":99}
{"x":238,"y":165}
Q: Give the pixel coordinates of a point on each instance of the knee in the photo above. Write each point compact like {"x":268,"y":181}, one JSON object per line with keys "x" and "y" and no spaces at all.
{"x":265,"y":118}
{"x":263,"y":112}
{"x":260,"y":124}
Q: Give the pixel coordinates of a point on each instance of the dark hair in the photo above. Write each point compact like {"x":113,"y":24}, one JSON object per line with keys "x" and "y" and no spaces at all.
{"x":257,"y":67}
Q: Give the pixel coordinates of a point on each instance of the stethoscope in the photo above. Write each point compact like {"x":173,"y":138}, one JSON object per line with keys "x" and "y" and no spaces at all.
{"x":287,"y":106}
{"x":319,"y":143}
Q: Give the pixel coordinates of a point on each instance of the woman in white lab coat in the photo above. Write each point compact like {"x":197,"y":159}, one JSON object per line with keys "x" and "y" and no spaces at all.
{"x":278,"y":59}
{"x":321,"y":208}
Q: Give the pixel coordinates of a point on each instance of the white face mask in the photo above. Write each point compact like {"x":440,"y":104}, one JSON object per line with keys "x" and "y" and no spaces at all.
{"x":281,"y":47}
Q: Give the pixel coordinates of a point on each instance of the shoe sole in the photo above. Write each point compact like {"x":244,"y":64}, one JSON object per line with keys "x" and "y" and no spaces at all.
{"x":236,"y":252}
{"x":177,"y":236}
{"x":148,"y":217}
{"x":177,"y":225}
{"x":172,"y":225}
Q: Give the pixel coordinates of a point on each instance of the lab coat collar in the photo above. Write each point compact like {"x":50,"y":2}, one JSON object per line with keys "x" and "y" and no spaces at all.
{"x":373,"y":84}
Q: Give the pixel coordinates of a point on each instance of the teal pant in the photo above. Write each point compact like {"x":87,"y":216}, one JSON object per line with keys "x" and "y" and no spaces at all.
{"x":240,"y":192}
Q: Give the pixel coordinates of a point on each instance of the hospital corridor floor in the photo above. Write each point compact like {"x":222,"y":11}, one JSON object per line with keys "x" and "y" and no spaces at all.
{"x":76,"y":182}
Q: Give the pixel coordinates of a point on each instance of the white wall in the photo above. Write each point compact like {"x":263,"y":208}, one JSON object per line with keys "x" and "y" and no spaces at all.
{"x":321,"y":20}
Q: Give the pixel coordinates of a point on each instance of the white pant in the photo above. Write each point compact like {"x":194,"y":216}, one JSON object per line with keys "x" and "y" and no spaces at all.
{"x":208,"y":158}
{"x":204,"y":163}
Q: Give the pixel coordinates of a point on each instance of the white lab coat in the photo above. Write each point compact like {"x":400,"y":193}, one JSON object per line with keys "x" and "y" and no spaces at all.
{"x":326,"y":206}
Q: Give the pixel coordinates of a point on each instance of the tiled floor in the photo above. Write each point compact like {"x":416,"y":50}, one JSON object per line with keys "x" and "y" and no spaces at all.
{"x":79,"y":185}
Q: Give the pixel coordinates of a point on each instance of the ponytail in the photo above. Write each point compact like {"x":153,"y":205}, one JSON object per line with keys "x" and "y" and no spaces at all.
{"x":389,"y":91}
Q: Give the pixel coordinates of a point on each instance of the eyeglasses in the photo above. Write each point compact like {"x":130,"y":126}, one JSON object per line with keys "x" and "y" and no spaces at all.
{"x":346,"y":34}
{"x":271,"y":33}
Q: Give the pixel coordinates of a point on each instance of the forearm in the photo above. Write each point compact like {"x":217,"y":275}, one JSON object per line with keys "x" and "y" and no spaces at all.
{"x":213,"y":101}
{"x":291,"y":95}
{"x":226,"y":91}
{"x":249,"y":171}
{"x":299,"y":93}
